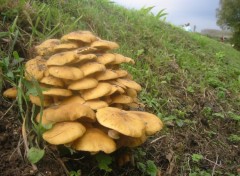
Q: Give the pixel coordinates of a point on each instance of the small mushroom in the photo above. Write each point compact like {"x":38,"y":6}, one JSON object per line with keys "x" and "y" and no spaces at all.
{"x":104,"y":45}
{"x":53,"y":81}
{"x":10,"y":93}
{"x":79,"y":36}
{"x":130,"y":84}
{"x":35,"y":68}
{"x":47,"y":47}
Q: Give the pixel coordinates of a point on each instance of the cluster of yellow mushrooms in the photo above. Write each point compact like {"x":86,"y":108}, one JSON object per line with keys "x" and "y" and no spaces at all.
{"x":90,"y":101}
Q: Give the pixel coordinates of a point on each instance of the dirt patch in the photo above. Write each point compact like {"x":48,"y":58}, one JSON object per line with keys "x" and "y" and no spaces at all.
{"x":13,"y":161}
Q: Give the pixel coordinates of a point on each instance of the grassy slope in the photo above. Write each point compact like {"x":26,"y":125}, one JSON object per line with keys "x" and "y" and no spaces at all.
{"x":191,"y":81}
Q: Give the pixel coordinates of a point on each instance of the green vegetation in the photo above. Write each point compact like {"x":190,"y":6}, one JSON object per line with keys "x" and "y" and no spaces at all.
{"x":191,"y":82}
{"x":228,"y":17}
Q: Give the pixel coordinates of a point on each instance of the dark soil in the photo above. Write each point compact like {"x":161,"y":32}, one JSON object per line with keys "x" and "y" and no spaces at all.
{"x":12,"y":158}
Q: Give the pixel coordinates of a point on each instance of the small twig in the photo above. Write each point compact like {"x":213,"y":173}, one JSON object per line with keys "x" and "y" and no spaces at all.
{"x":216,"y":164}
{"x":214,"y":167}
{"x":157,"y":139}
{"x":8,"y":109}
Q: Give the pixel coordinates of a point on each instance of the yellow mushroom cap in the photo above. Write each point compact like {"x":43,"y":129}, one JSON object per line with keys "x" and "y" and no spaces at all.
{"x":106,"y":75}
{"x":85,"y":83}
{"x":62,"y":58}
{"x":106,"y":58}
{"x":104,"y":45}
{"x":123,"y":99}
{"x":91,"y":67}
{"x":64,"y":132}
{"x":118,"y":59}
{"x":152,"y":122}
{"x":86,"y":50}
{"x":101,"y":90}
{"x":66,"y":72}
{"x":125,"y":123}
{"x":73,"y":99}
{"x":85,"y":57}
{"x":121,"y":73}
{"x":81,"y":36}
{"x":57,"y":92}
{"x":34,"y":68}
{"x":94,"y":140}
{"x":10,"y":93}
{"x":129,"y":60}
{"x":96,"y":104}
{"x":65,"y":47}
{"x":47,"y":101}
{"x":130,"y":84}
{"x":131,"y":92}
{"x":47,"y":46}
{"x":51,"y":80}
{"x":66,"y":112}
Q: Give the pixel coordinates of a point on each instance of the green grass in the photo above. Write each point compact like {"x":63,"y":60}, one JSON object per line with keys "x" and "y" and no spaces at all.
{"x":181,"y":73}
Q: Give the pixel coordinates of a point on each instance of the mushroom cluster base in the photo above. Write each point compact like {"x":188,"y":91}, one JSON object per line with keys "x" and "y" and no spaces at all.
{"x":89,"y":100}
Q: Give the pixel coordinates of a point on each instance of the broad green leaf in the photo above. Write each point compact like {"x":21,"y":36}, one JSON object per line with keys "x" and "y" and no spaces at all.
{"x":104,"y":161}
{"x":34,"y":155}
{"x":151,"y":168}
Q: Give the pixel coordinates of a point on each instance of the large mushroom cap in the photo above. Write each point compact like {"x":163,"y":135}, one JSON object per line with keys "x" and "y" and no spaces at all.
{"x":101,"y":90}
{"x":81,"y":36}
{"x":10,"y":93}
{"x":66,"y":112}
{"x":66,"y":72}
{"x":92,"y":67}
{"x":85,"y":83}
{"x":34,"y":68}
{"x":64,"y":132}
{"x":126,"y":123}
{"x":153,"y":123}
{"x":62,"y":58}
{"x":94,"y":140}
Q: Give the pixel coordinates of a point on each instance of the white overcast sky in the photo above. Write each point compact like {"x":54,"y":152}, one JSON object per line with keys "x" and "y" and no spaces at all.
{"x":201,"y":13}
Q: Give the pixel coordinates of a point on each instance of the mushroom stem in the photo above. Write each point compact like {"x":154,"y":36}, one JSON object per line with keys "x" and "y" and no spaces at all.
{"x":113,"y":134}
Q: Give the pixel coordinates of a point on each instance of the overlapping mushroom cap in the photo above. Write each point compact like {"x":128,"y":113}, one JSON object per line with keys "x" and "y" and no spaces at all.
{"x":86,"y":95}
